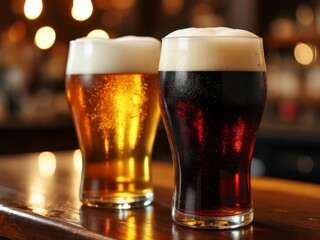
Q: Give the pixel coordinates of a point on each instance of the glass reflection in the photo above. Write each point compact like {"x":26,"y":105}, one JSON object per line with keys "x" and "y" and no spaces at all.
{"x":51,"y":181}
{"x":36,"y":198}
{"x":37,"y":203}
{"x":147,"y":227}
{"x":131,"y":231}
{"x":123,"y":224}
{"x":179,"y":232}
{"x":77,"y":160}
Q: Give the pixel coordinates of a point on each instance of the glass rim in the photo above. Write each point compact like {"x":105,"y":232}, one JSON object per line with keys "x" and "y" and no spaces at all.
{"x":119,"y":40}
{"x":212,"y":37}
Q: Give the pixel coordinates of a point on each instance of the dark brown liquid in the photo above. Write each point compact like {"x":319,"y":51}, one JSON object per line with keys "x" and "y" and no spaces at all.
{"x":211,"y":119}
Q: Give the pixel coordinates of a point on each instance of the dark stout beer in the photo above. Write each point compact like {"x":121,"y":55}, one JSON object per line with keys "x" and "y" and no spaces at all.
{"x":212,"y":99}
{"x":212,"y":122}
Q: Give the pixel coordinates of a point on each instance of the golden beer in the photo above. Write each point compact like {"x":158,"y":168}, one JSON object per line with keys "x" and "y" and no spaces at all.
{"x":116,"y":116}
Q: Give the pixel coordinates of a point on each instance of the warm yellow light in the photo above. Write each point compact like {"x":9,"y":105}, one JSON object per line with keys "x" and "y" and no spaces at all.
{"x":304,"y":53}
{"x":32,"y":8}
{"x":45,"y":37}
{"x":98,"y":33}
{"x":77,"y":160}
{"x":36,"y":198}
{"x":146,"y":167}
{"x":81,"y":9}
{"x":132,"y":228}
{"x":137,"y":100}
{"x":47,"y":163}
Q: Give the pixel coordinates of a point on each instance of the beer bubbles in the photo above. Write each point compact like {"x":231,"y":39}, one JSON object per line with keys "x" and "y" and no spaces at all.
{"x":84,"y":52}
{"x":112,"y":87}
{"x":230,"y":48}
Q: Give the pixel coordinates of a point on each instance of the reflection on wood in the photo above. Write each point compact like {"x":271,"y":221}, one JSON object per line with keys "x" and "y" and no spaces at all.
{"x":35,"y":206}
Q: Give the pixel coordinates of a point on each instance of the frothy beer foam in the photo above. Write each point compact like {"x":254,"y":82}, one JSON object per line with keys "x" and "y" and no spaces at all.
{"x":130,"y":54}
{"x":212,"y":49}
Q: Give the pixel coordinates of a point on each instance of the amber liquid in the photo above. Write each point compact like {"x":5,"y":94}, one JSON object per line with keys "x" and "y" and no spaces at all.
{"x":212,"y":119}
{"x":116,"y":118}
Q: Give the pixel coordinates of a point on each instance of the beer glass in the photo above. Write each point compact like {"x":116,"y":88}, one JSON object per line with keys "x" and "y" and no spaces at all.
{"x":111,"y":87}
{"x":212,"y":97}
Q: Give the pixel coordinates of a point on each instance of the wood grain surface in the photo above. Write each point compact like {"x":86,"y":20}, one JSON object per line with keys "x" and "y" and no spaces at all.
{"x":38,"y":202}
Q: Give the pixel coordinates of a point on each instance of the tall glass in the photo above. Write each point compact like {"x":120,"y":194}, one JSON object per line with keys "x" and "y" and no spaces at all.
{"x":212,"y":97}
{"x":111,"y":87}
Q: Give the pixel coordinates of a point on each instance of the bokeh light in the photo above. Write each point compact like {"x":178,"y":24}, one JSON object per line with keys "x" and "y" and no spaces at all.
{"x":36,"y":198}
{"x":47,"y":163}
{"x":123,"y":4}
{"x":172,"y":7}
{"x":305,"y":164}
{"x":98,"y":33}
{"x":305,"y":53}
{"x":81,"y":9}
{"x":17,"y":32}
{"x":305,"y":14}
{"x":77,"y":160}
{"x":33,"y":8}
{"x":45,"y":37}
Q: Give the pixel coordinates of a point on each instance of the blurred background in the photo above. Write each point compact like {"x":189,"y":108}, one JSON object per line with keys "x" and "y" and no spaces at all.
{"x":34,"y":36}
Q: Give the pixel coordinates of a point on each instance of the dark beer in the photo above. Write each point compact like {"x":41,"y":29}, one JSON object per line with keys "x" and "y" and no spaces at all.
{"x":212,"y":122}
{"x":212,"y":97}
{"x":111,"y":87}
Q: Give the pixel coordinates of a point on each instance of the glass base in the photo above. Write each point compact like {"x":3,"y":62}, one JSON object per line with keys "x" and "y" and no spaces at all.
{"x":210,"y":222}
{"x":123,"y":202}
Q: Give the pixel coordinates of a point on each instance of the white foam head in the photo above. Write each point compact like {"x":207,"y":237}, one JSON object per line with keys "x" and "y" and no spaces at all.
{"x":212,"y":49}
{"x":130,"y":54}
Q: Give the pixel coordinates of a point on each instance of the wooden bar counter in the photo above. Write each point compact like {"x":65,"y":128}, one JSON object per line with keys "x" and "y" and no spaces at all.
{"x":39,"y":200}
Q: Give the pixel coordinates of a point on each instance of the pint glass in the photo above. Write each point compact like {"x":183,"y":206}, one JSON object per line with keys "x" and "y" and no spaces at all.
{"x":111,"y":87}
{"x":212,"y":97}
